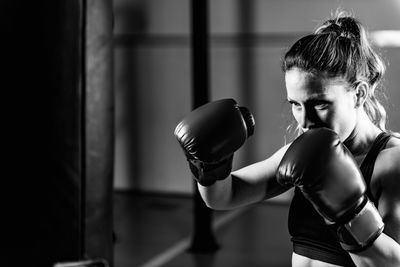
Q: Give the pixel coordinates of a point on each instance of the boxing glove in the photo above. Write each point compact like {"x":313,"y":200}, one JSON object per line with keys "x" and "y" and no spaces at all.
{"x":210,"y":134}
{"x":328,"y":176}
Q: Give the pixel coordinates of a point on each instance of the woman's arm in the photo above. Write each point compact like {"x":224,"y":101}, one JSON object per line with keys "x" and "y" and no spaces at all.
{"x":385,"y":251}
{"x":245,"y":186}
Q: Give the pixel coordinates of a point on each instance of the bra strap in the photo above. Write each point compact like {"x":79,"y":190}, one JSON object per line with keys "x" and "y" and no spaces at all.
{"x":368,"y":164}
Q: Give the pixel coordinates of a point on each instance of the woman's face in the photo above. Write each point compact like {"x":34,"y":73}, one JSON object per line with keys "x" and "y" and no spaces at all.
{"x":319,"y":101}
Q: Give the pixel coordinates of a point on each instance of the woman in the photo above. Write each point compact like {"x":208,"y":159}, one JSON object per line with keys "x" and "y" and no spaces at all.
{"x":331,"y":77}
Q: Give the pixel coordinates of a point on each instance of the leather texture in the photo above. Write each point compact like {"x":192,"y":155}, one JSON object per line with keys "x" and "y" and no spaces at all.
{"x":209,"y":136}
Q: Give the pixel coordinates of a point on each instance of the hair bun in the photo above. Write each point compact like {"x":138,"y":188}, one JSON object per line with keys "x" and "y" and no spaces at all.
{"x":342,"y":26}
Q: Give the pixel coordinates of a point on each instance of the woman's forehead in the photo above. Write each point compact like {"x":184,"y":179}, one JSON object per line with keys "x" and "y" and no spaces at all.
{"x":298,"y":80}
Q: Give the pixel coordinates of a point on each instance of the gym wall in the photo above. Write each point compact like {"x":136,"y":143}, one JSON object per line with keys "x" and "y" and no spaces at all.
{"x":152,"y":76}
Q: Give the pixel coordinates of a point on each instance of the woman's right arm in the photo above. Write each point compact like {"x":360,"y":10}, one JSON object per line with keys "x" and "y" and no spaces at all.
{"x":245,"y":186}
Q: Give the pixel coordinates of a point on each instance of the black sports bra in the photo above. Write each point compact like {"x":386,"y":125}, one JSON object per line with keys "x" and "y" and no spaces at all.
{"x":311,"y":237}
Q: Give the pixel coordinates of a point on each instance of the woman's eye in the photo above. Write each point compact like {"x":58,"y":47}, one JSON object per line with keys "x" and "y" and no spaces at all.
{"x":295,"y":104}
{"x":321,"y":106}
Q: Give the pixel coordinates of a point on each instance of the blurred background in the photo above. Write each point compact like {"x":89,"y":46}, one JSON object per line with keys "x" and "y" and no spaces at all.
{"x":247,"y":40}
{"x":93,"y":90}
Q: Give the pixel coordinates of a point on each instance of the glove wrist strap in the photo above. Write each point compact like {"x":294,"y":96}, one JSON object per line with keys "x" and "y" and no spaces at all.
{"x":207,"y":173}
{"x":362,"y":230}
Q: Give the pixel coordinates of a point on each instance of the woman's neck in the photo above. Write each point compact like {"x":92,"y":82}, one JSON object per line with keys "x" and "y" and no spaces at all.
{"x":362,"y":136}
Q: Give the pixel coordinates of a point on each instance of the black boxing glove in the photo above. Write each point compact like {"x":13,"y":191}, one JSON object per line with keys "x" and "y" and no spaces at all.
{"x":328,"y":176}
{"x":209,"y":136}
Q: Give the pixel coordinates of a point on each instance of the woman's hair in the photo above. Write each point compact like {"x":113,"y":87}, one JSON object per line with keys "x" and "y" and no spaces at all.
{"x":340,"y":48}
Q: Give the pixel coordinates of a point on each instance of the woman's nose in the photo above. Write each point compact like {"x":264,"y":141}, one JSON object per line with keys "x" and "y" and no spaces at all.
{"x":308,"y":119}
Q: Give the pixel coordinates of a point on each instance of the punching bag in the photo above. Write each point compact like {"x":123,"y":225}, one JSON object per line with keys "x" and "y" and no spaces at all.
{"x":55,"y":177}
{"x":42,"y":61}
{"x":99,"y":129}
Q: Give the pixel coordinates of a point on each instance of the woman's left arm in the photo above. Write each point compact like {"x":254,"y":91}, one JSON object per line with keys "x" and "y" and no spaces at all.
{"x":385,"y":251}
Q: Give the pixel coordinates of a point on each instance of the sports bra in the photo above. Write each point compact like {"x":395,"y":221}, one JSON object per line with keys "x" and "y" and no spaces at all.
{"x":310,"y":236}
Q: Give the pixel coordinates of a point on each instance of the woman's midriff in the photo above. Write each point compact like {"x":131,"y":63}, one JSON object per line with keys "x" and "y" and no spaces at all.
{"x":302,"y":261}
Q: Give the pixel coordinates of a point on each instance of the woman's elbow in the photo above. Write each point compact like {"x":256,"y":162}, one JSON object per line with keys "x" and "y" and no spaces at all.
{"x":216,"y":205}
{"x":215,"y":198}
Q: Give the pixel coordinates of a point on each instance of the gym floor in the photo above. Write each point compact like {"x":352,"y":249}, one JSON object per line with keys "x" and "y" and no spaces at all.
{"x":154,"y":230}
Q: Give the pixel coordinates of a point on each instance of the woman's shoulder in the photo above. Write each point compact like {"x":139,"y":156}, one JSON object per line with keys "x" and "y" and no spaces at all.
{"x":394,"y":141}
{"x":390,"y":155}
{"x":387,"y":165}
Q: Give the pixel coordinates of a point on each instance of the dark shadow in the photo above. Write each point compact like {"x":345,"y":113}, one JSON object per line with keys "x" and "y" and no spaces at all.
{"x":204,"y":260}
{"x":41,"y":68}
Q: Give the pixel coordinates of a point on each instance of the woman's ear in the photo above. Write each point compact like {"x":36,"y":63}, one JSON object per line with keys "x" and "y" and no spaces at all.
{"x":361,"y":93}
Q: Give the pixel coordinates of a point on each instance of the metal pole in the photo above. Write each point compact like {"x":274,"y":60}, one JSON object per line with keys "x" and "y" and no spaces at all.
{"x":203,"y":238}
